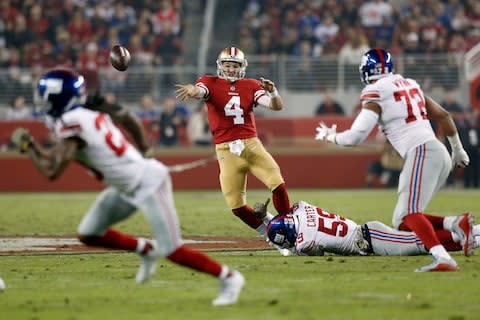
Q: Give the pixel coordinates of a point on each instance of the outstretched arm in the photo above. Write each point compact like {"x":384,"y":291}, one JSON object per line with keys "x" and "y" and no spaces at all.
{"x":187,"y":91}
{"x":358,"y":132}
{"x":50,"y":162}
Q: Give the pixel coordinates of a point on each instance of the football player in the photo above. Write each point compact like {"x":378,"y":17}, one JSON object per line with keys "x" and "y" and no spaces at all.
{"x":309,"y":230}
{"x":134,"y":182}
{"x":404,"y":113}
{"x":231,"y":99}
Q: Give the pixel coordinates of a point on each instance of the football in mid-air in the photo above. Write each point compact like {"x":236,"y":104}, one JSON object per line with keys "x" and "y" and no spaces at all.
{"x":120,"y":57}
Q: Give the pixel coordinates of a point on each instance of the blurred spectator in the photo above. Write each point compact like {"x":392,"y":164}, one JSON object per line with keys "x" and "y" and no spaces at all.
{"x":354,"y":48}
{"x":350,"y":56}
{"x":36,"y":22}
{"x":17,"y":34}
{"x":79,"y":29}
{"x":169,"y":123}
{"x":89,"y":63}
{"x":383,"y":34}
{"x":198,"y":130}
{"x":166,"y":16}
{"x":329,"y":106}
{"x":471,"y":135}
{"x":168,"y":49}
{"x":123,"y":19}
{"x":302,"y":74}
{"x":18,"y":110}
{"x":385,"y":172}
{"x":373,"y":12}
{"x":327,"y":30}
{"x":148,"y":111}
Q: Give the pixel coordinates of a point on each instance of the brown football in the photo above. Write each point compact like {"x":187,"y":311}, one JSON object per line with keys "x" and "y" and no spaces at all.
{"x":119,"y":57}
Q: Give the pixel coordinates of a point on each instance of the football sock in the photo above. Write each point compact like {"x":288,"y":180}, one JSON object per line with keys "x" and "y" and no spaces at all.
{"x":448,"y":222}
{"x":419,"y":224}
{"x":196,"y":260}
{"x":245,"y":214}
{"x":280,"y":199}
{"x":436,"y":221}
{"x":439,"y":251}
{"x":112,"y":239}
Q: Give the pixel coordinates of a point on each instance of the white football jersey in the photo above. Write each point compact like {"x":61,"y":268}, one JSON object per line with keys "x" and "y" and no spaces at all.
{"x":107,"y":153}
{"x":404,"y":116}
{"x":319,"y":230}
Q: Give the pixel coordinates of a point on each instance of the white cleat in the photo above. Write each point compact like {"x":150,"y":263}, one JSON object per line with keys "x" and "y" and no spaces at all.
{"x":463,"y":226}
{"x":148,"y":265}
{"x":440,"y":264}
{"x":230,"y":289}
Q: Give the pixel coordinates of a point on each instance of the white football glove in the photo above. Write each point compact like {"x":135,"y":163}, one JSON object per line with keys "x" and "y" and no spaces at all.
{"x":460,"y":158}
{"x":325,"y":133}
{"x":459,"y":155}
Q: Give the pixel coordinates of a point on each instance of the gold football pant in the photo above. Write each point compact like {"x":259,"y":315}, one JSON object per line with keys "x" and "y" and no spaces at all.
{"x":233,"y":170}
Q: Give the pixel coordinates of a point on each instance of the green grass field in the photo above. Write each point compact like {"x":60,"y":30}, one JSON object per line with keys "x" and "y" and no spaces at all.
{"x":101,"y":286}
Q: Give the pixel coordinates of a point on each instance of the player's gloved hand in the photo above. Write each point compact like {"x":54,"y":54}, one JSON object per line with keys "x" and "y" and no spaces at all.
{"x":22,"y":139}
{"x":459,"y":155}
{"x":325,"y":133}
{"x":185,"y":91}
{"x":269,"y":85}
{"x":260,"y":209}
{"x":460,"y":158}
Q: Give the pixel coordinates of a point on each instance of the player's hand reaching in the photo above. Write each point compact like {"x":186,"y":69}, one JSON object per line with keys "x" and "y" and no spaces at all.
{"x":460,"y":158}
{"x":260,"y":209}
{"x":268,"y":85}
{"x":22,"y":139}
{"x":325,"y":133}
{"x":185,"y":91}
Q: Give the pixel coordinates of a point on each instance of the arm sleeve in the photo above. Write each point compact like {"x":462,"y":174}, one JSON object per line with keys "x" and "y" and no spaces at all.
{"x":203,"y":92}
{"x":361,"y":127}
{"x":264,"y":101}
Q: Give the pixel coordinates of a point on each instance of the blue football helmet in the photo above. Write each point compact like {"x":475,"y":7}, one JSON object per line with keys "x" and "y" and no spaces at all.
{"x":281,"y":231}
{"x":61,"y":90}
{"x":376,"y":64}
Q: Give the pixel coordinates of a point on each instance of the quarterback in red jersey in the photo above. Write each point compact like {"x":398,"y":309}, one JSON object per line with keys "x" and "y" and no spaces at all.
{"x":231,"y":99}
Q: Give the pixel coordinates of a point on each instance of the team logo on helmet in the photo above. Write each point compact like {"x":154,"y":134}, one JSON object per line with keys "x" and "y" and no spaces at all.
{"x":281,"y":231}
{"x":61,"y":90}
{"x":375,"y":64}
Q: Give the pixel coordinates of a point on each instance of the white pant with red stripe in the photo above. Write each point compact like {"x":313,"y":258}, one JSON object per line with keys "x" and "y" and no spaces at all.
{"x":153,"y":196}
{"x":387,"y":241}
{"x":425,"y":171}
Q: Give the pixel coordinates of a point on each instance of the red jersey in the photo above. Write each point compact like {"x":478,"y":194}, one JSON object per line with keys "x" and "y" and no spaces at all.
{"x":230,"y":107}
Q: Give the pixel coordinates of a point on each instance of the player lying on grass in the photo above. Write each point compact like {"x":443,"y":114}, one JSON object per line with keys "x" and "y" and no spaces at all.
{"x":308,"y":230}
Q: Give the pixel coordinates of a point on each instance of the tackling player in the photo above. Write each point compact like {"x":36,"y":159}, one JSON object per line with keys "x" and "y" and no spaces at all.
{"x":231,"y":99}
{"x":403,"y":111}
{"x":309,"y":230}
{"x":134,"y":182}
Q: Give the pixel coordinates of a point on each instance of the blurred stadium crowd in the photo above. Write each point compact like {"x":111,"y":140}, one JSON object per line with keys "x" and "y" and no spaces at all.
{"x":79,"y":33}
{"x":340,"y":27}
{"x":37,"y":35}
